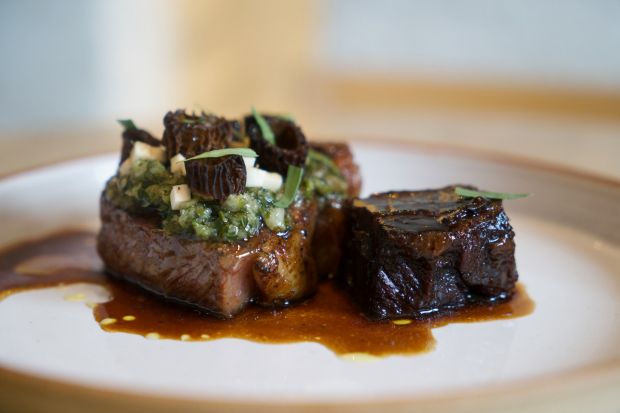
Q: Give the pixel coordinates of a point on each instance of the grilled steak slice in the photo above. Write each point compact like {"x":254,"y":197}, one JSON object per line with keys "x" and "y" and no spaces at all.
{"x":329,"y":235}
{"x":420,"y":254}
{"x":222,"y":278}
{"x":218,"y":277}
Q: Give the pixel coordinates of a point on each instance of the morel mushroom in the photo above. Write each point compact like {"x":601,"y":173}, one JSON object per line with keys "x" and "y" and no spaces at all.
{"x":217,"y":177}
{"x":131,"y":136}
{"x":192,"y":135}
{"x":291,"y":147}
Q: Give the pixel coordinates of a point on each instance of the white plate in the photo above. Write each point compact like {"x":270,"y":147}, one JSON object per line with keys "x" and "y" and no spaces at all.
{"x":565,"y":355}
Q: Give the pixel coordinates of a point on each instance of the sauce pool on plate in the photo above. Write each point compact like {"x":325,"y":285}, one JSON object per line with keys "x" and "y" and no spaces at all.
{"x":328,"y":318}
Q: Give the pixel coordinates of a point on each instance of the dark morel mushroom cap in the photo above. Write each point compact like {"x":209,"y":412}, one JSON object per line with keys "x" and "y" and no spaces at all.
{"x":193,"y":134}
{"x":217,"y":177}
{"x":291,"y":147}
{"x":131,"y":136}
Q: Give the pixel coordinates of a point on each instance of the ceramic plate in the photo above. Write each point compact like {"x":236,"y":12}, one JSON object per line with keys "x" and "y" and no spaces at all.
{"x":565,"y":355}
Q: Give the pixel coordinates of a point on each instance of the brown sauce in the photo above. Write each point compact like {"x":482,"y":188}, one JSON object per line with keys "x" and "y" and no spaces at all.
{"x":328,"y":318}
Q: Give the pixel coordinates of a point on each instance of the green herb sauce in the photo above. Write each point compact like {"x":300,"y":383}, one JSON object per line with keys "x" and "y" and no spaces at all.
{"x":323,"y":181}
{"x":146,"y":189}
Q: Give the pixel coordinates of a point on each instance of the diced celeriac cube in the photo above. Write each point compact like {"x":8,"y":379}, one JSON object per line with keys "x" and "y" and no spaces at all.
{"x":272,"y":181}
{"x":142,"y":150}
{"x":255,"y":178}
{"x":125,"y":167}
{"x":249,"y":162}
{"x":179,"y":196}
{"x":275,"y":219}
{"x":258,"y":178}
{"x":177,"y":164}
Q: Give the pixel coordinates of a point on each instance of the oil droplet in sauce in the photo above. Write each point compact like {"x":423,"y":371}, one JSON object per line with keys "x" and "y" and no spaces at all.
{"x":328,"y":318}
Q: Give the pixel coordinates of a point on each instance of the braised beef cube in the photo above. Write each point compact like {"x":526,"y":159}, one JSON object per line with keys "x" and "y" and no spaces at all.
{"x":420,"y":254}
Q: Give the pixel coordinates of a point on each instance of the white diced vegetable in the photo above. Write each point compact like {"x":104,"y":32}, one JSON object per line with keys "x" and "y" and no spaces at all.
{"x":258,"y":178}
{"x":249,"y":162}
{"x":179,"y":196}
{"x":255,"y":178}
{"x":272,"y":181}
{"x":275,"y":219}
{"x":142,"y":150}
{"x":125,"y":167}
{"x":177,"y":164}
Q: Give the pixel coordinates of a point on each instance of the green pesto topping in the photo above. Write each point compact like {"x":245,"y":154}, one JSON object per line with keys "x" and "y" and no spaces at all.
{"x":324,"y":159}
{"x":145,"y":189}
{"x":323,"y":180}
{"x":238,"y":218}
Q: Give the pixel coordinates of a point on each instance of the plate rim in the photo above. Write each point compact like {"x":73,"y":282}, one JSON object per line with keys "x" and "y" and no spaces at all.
{"x":602,"y":379}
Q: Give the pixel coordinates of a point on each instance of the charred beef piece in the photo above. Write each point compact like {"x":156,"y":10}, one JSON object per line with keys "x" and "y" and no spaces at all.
{"x":131,"y":136}
{"x":329,"y":235}
{"x":221,"y":278}
{"x":291,"y":147}
{"x":192,"y":134}
{"x":424,"y":253}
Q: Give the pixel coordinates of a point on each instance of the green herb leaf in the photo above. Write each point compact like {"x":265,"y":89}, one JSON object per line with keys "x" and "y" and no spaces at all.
{"x":286,"y":116}
{"x":217,"y":153}
{"x":470,"y":193}
{"x":264,"y":127}
{"x":293,"y":180}
{"x":324,"y":159}
{"x":127,"y":124}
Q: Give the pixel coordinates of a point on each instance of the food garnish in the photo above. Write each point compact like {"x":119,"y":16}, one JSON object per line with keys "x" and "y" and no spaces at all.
{"x":127,"y":124}
{"x":216,"y":153}
{"x":288,"y":146}
{"x":206,"y":133}
{"x":132,"y":135}
{"x":265,"y":129}
{"x":216,"y":177}
{"x":471,"y":193}
{"x":322,"y":158}
{"x":293,"y":180}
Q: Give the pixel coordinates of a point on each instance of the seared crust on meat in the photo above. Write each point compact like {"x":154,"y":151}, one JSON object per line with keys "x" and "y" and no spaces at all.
{"x":421,"y":254}
{"x":222,"y":278}
{"x":283,"y":277}
{"x":214,"y":276}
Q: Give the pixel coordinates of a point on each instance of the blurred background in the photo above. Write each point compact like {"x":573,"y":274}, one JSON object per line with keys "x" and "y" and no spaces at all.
{"x":533,"y":78}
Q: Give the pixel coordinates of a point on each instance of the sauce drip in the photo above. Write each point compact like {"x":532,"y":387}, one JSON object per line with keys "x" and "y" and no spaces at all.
{"x":328,"y":318}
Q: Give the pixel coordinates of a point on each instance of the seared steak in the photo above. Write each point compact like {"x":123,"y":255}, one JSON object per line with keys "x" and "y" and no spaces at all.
{"x":422,"y":253}
{"x":214,"y":276}
{"x":222,"y":278}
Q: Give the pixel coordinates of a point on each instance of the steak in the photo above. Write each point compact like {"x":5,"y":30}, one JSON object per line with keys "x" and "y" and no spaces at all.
{"x":221,"y":278}
{"x":420,"y":254}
